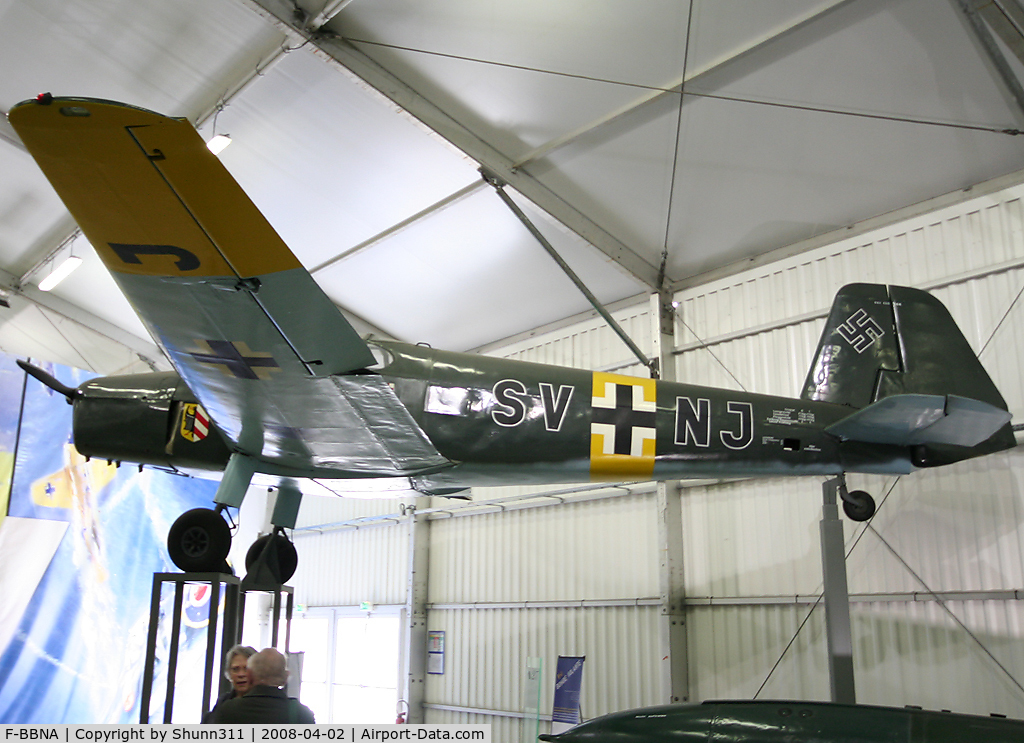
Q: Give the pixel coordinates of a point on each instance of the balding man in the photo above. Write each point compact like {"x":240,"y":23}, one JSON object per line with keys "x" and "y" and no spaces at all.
{"x":266,"y":701}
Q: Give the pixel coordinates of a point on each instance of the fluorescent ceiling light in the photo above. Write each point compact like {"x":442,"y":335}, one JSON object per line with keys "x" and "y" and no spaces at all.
{"x":60,"y":273}
{"x":219,"y":143}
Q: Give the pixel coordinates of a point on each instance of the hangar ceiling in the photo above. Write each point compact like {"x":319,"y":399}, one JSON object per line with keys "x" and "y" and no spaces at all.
{"x":655,"y":143}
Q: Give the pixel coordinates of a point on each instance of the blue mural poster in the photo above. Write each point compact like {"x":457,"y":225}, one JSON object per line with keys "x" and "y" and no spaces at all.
{"x":565,"y":712}
{"x":78,"y":550}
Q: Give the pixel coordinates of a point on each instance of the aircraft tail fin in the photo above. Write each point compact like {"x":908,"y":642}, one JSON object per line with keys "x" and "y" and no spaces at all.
{"x":901,"y":346}
{"x":881,"y":341}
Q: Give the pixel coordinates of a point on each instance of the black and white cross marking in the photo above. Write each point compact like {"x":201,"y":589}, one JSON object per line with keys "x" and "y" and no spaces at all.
{"x":236,"y":359}
{"x":624,"y":418}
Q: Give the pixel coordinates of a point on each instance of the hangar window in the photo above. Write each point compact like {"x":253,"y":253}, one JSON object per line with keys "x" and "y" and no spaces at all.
{"x":351,"y":664}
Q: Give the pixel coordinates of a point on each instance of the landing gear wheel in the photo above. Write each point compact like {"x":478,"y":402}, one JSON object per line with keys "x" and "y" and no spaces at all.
{"x":283,"y":567}
{"x":199,"y":541}
{"x":858,"y":505}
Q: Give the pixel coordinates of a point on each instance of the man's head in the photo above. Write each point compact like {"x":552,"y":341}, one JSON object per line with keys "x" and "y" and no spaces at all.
{"x":236,"y":668}
{"x":268,"y":668}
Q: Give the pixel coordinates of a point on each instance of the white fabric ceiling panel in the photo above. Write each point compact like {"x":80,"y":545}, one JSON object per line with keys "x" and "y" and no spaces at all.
{"x":92,"y":286}
{"x":638,"y":43}
{"x":719,"y":29}
{"x":435,"y":281}
{"x":172,"y":57}
{"x":328,"y":164}
{"x":912,"y":59}
{"x":31,"y":214}
{"x":754,"y":178}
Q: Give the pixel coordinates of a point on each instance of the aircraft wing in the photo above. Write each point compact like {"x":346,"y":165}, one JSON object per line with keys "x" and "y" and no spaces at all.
{"x":267,"y":353}
{"x":912,"y":419}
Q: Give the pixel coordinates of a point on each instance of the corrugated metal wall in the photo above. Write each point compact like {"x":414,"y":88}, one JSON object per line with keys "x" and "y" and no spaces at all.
{"x":751,"y":547}
{"x":346,"y":566}
{"x":579,"y":551}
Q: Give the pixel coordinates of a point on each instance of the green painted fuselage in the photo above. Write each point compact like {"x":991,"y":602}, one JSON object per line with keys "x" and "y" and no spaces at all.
{"x":504,"y":420}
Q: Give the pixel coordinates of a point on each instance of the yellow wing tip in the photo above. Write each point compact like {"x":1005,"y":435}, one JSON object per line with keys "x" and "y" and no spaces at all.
{"x":76,"y":106}
{"x":146,"y":191}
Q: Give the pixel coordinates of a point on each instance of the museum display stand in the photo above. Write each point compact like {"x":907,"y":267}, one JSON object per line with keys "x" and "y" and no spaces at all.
{"x":837,"y":597}
{"x":226,"y":611}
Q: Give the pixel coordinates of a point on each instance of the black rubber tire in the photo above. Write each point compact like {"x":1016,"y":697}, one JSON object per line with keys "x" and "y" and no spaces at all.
{"x":860,"y":506}
{"x":287,"y":557}
{"x":199,"y":541}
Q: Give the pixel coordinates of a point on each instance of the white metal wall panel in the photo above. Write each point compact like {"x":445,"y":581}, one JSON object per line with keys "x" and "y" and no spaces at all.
{"x":487,"y":653}
{"x":502,"y":728}
{"x":904,"y":653}
{"x":958,"y":528}
{"x":319,"y":510}
{"x":341,"y":567}
{"x":733,"y":650}
{"x":752,"y":538}
{"x":591,"y":344}
{"x":990,"y":312}
{"x":917,"y":654}
{"x":603,"y":549}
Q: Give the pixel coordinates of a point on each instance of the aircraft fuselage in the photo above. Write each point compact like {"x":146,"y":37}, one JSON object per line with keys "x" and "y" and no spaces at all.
{"x":556,"y":424}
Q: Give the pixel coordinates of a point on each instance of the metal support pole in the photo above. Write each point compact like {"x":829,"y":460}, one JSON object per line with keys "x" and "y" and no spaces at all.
{"x":150,"y":667}
{"x":837,"y":598}
{"x":289,"y":608}
{"x":675,"y":674}
{"x":211,"y":644}
{"x":231,"y":632}
{"x":276,"y":621}
{"x":172,"y":659}
{"x":675,"y":681}
{"x":499,"y":188}
{"x":416,"y":614}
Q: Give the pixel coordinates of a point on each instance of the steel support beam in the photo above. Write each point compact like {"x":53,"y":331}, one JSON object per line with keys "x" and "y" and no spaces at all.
{"x":546,"y":149}
{"x":971,"y":10}
{"x":437,"y":206}
{"x":675,"y":671}
{"x":278,"y":11}
{"x":1006,"y":18}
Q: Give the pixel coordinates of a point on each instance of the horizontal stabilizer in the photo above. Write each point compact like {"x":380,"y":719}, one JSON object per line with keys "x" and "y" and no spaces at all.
{"x":906,"y":420}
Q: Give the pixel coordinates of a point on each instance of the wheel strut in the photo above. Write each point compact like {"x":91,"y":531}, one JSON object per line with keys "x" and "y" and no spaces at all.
{"x":858,"y":505}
